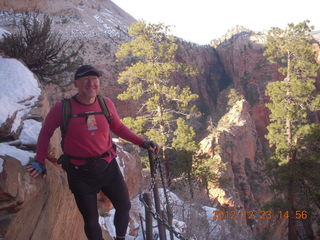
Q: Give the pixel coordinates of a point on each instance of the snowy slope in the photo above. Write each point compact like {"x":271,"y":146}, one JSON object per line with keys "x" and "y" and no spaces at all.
{"x":18,"y":94}
{"x":81,"y":20}
{"x":2,"y":32}
{"x":19,"y":90}
{"x":138,"y":209}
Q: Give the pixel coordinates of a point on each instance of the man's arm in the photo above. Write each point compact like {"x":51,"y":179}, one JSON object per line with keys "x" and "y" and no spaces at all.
{"x":124,"y":132}
{"x":52,"y":121}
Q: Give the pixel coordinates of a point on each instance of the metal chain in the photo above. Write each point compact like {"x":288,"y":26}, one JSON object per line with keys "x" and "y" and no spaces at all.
{"x":163,"y":181}
{"x":153,"y":176}
{"x":156,"y":216}
{"x":166,"y":195}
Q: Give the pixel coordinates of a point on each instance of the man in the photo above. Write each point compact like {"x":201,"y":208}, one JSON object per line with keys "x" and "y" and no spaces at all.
{"x":89,"y":155}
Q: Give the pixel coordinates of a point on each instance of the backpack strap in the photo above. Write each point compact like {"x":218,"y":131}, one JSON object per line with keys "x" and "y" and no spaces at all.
{"x":66,"y":115}
{"x":104,"y":108}
{"x":106,"y":112}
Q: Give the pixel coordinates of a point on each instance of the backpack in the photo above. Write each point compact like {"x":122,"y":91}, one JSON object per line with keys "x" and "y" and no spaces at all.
{"x":66,"y":114}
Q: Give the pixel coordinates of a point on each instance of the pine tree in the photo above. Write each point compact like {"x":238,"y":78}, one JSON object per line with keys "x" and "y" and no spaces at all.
{"x":185,"y":148}
{"x":44,"y":51}
{"x":291,"y":134}
{"x":167,"y":108}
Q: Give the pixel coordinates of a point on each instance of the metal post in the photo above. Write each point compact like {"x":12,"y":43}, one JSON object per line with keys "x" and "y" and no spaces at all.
{"x":170,"y":220}
{"x":142,"y":229}
{"x":148,"y":216}
{"x":156,"y":197}
{"x":168,"y":208}
{"x":163,"y":217}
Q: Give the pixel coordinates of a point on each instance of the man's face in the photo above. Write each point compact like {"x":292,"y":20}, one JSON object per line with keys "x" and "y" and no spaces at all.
{"x":88,"y":86}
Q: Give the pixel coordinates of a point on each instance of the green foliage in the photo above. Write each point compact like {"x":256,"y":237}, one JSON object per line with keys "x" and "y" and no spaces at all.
{"x":295,"y":163}
{"x":136,"y":124}
{"x":208,"y":170}
{"x":151,"y":41}
{"x":184,"y":147}
{"x":184,"y":139}
{"x":41,"y":49}
{"x":180,"y":163}
{"x":167,"y":108}
{"x":293,"y":98}
{"x":149,"y":77}
{"x":252,"y":94}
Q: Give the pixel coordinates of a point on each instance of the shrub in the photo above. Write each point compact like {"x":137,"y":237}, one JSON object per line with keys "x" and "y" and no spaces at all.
{"x":41,"y":49}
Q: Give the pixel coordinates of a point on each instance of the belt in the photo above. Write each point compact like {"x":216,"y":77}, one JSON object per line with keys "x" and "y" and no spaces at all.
{"x":80,"y":167}
{"x":88,"y":159}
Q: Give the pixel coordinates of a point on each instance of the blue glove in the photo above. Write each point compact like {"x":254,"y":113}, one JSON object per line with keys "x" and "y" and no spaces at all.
{"x":38,"y":167}
{"x":148,"y":144}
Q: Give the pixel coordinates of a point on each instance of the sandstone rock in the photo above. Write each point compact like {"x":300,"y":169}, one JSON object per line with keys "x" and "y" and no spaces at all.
{"x":240,"y":151}
{"x":39,"y":208}
{"x":42,"y":208}
{"x":249,"y":70}
{"x":6,"y":129}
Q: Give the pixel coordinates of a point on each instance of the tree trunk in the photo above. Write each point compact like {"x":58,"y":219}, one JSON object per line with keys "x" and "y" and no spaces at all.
{"x":190,"y":184}
{"x":292,"y":227}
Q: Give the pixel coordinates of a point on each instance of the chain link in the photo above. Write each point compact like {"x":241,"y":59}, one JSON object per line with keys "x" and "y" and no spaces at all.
{"x":155,"y":215}
{"x":153,"y":175}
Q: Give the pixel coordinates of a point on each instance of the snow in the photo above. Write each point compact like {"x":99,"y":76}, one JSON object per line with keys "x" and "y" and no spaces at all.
{"x":19,"y":90}
{"x":21,"y":155}
{"x":3,"y":31}
{"x":209,"y":211}
{"x":30,"y":132}
{"x":1,"y":164}
{"x":98,"y":18}
{"x":18,"y":93}
{"x":107,"y":222}
{"x":138,"y":209}
{"x":121,"y":166}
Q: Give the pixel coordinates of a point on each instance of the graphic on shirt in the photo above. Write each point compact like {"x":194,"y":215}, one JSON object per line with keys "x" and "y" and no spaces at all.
{"x":91,"y":122}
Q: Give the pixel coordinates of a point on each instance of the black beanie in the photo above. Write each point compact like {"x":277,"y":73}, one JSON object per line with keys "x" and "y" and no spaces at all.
{"x":86,"y":70}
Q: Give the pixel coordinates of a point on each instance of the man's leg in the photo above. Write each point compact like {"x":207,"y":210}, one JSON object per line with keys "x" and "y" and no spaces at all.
{"x":87,"y":204}
{"x":118,"y":194}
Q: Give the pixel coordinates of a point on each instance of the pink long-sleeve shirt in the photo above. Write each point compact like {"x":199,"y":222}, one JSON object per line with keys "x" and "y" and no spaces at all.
{"x":85,"y":137}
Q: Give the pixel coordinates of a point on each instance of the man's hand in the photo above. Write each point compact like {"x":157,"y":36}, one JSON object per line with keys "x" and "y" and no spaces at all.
{"x":151,"y":146}
{"x":35,"y":169}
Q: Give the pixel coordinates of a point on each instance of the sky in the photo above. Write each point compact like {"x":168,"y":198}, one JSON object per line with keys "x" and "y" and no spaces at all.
{"x":201,"y":21}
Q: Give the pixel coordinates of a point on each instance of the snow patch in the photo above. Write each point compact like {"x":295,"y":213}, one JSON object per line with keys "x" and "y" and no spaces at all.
{"x":209,"y":211}
{"x":98,"y":18}
{"x":18,"y":95}
{"x":1,"y":165}
{"x":121,"y":165}
{"x":137,"y":209}
{"x":30,"y":131}
{"x":107,"y":222}
{"x":2,"y":32}
{"x":21,"y":155}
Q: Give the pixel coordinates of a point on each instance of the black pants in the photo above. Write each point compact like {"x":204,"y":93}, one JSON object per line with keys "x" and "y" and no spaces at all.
{"x":85,"y":188}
